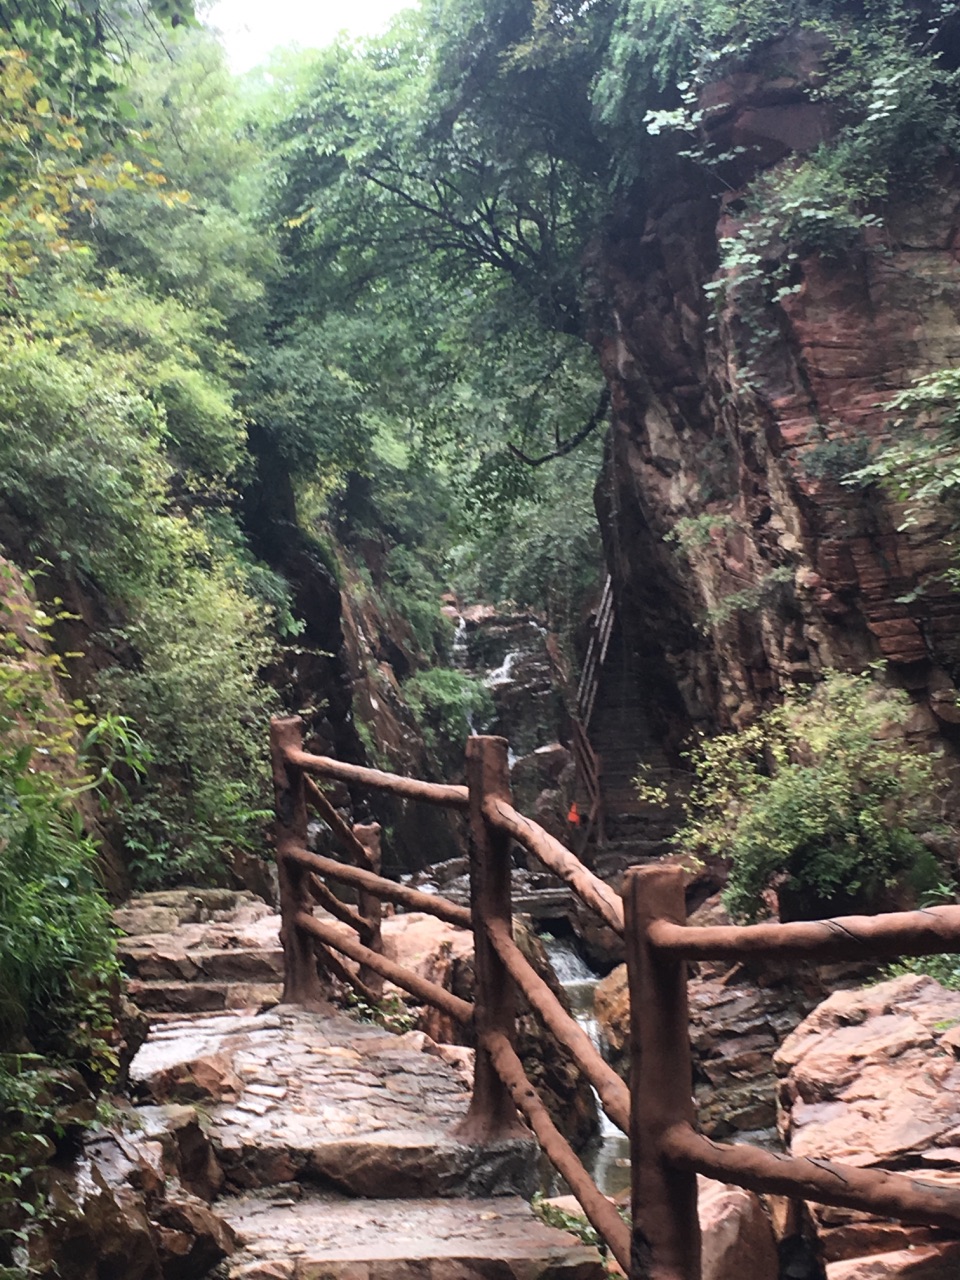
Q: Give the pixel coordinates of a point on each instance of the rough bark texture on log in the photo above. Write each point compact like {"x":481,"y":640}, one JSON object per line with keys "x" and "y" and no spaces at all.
{"x":301,"y":981}
{"x":666,"y":1227}
{"x":389,"y":889}
{"x":413,"y":788}
{"x":594,"y":1203}
{"x":874,"y":1191}
{"x":558,"y":859}
{"x":368,"y":837}
{"x":492,"y":1111}
{"x":330,"y":960}
{"x":342,"y":910}
{"x":896,"y":933}
{"x":340,"y":828}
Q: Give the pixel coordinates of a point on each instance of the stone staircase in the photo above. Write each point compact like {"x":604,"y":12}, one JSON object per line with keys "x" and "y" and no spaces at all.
{"x":199,"y":951}
{"x":325,"y":1145}
{"x":622,"y":738}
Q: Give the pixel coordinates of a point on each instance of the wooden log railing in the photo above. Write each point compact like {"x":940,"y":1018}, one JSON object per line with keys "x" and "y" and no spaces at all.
{"x":666,"y":1152}
{"x":502,"y":1092}
{"x":657,"y":1110}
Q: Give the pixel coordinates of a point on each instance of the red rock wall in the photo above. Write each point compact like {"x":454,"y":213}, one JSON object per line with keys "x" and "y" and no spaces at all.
{"x":798,"y":572}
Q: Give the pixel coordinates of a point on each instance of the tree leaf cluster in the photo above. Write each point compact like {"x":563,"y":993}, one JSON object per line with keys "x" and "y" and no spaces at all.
{"x":821,"y":798}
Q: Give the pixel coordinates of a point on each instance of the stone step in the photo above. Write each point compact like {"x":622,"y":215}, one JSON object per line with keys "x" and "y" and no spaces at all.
{"x":142,"y":959}
{"x":293,"y":1096}
{"x":327,"y":1237}
{"x":159,"y":996}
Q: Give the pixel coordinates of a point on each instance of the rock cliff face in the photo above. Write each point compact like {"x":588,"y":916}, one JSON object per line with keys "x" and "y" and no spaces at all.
{"x":789,"y":570}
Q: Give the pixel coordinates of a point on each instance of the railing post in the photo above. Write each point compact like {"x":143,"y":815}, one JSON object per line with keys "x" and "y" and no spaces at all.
{"x":301,"y":980}
{"x":369,"y":904}
{"x":666,"y":1228}
{"x":492,"y":1113}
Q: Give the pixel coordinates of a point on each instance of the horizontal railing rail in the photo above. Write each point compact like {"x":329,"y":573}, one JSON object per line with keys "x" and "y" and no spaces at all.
{"x":666,"y":1151}
{"x":657,"y":1108}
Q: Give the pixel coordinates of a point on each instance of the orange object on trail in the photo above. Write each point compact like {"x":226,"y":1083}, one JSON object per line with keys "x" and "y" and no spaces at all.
{"x":573,"y":817}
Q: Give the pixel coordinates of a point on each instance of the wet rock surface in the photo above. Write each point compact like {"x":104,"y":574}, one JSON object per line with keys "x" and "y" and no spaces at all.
{"x":872,"y":1078}
{"x":232,"y":961}
{"x":197,"y":950}
{"x":122,"y":1208}
{"x":297,"y":1144}
{"x":323,"y":1237}
{"x":294,"y":1095}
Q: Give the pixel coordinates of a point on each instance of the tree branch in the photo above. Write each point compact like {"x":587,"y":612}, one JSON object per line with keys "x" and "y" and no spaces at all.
{"x":568,"y":445}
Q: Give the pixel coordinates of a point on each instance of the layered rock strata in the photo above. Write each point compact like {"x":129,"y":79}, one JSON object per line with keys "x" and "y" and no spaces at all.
{"x":741,"y":561}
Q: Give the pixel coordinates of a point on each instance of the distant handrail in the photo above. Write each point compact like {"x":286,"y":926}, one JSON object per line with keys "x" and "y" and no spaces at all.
{"x":597,"y":646}
{"x":586,"y":760}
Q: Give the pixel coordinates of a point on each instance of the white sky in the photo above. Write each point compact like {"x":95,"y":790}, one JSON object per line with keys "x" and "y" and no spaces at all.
{"x":251,"y":29}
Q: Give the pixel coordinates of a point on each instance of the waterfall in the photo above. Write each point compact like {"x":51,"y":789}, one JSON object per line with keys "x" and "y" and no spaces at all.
{"x":608,"y":1158}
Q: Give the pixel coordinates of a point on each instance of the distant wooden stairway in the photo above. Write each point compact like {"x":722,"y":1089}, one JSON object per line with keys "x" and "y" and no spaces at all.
{"x":611,"y":740}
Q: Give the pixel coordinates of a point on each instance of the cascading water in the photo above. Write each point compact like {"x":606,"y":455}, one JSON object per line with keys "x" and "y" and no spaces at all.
{"x":460,"y":659}
{"x":504,"y":673}
{"x":608,"y":1157}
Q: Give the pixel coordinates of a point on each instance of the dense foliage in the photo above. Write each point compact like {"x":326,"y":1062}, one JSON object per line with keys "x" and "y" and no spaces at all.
{"x":820,"y":798}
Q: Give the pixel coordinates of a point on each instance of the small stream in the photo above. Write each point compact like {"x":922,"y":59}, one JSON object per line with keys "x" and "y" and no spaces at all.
{"x":607,"y":1157}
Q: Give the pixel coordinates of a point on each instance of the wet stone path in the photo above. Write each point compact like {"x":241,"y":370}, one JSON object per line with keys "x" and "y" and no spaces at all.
{"x":325,"y":1146}
{"x":290,"y":1095}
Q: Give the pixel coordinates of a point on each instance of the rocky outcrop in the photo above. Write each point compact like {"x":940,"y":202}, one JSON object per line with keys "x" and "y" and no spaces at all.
{"x":738,"y":1019}
{"x":781,"y":570}
{"x":128,"y":1206}
{"x":872,"y":1078}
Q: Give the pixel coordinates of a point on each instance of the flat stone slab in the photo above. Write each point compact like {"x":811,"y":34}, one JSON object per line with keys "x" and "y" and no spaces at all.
{"x":291,"y":1095}
{"x":326,"y":1237}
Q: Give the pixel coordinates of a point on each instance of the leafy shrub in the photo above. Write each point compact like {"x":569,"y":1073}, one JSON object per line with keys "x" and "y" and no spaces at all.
{"x":448,"y":703}
{"x":81,"y":464}
{"x":943,"y":966}
{"x":819,"y":797}
{"x":203,"y":712}
{"x":56,"y":941}
{"x":922,"y":466}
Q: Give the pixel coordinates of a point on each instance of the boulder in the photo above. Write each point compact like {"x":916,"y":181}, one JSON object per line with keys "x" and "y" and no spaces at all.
{"x":119,"y":1210}
{"x":871,"y":1078}
{"x":209,"y":1077}
{"x":738,"y":1240}
{"x":924,"y":1262}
